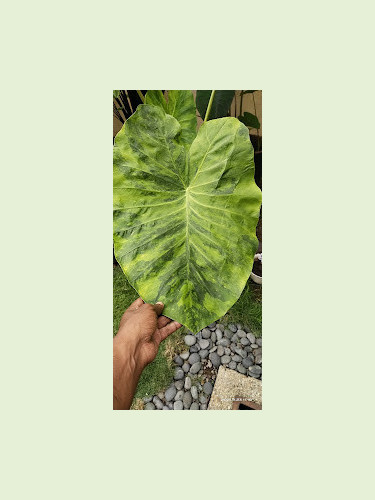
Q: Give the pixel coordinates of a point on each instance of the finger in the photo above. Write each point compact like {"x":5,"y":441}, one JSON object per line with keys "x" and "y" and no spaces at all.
{"x":163,"y":321}
{"x":136,"y":304}
{"x":168,"y":330}
{"x":158,"y":307}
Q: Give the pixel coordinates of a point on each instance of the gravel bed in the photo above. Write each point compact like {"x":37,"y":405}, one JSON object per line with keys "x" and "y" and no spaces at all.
{"x":233,"y":346}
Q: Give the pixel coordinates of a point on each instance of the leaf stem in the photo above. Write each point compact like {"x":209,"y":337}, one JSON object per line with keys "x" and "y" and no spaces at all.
{"x":209,"y":105}
{"x":141,"y":95}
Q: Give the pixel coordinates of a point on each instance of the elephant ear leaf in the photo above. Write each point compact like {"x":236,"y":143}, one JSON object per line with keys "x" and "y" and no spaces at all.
{"x":185,"y":220}
{"x":181,"y":106}
{"x":156,"y":98}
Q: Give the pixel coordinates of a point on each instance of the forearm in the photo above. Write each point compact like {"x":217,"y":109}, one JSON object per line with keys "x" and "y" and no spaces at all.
{"x":126,"y":373}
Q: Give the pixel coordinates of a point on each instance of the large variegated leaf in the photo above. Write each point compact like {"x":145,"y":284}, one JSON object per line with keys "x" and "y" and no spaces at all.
{"x":181,"y":105}
{"x":185,"y":220}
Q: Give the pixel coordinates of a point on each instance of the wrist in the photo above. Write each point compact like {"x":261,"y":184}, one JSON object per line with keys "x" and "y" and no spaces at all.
{"x":127,"y":369}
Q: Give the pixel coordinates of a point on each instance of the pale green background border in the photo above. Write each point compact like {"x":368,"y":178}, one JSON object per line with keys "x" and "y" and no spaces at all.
{"x":61,"y":438}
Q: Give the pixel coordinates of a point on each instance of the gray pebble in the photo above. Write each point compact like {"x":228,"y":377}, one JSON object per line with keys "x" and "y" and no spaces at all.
{"x":190,"y":340}
{"x":161,"y":395}
{"x":212,"y":325}
{"x":194,"y":392}
{"x":194,"y":348}
{"x":251,"y":337}
{"x":241,"y":334}
{"x":232,"y":347}
{"x":147,"y":399}
{"x":255,"y":370}
{"x":236,"y":358}
{"x":258,"y":359}
{"x":228,"y":333}
{"x":204,"y":343}
{"x":178,"y":405}
{"x":170,"y":405}
{"x":207,"y":388}
{"x":206,"y":334}
{"x":150,"y":406}
{"x":178,"y":360}
{"x":213,"y":337}
{"x":170,"y":393}
{"x":195,"y":368}
{"x":220,"y":350}
{"x":219,"y":334}
{"x":254,"y":346}
{"x":225,"y":360}
{"x":158,"y":403}
{"x":239,"y":326}
{"x":165,"y":408}
{"x":245,"y":341}
{"x":248,"y":349}
{"x":259,"y":342}
{"x":203,"y":353}
{"x":227,"y":351}
{"x":187,"y":400}
{"x":247,"y":362}
{"x":241,"y":368}
{"x":238,"y":351}
{"x":179,"y":396}
{"x":203,"y":406}
{"x":215,"y":359}
{"x":203,"y":398}
{"x":235,"y":338}
{"x":187,"y":383}
{"x":232,"y":365}
{"x":257,"y":351}
{"x":186,"y":367}
{"x":185,"y":355}
{"x":219,"y":326}
{"x":178,"y":374}
{"x":194,"y":406}
{"x":194,"y":358}
{"x":179,"y":384}
{"x":232,"y":328}
{"x":224,"y":342}
{"x":213,"y":349}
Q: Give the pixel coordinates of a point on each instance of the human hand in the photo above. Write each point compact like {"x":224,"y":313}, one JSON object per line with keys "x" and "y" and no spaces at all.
{"x":143,"y":328}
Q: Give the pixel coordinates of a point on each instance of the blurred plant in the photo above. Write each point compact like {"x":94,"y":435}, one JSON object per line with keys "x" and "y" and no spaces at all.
{"x":248,"y":119}
{"x":220,"y":106}
{"x":125,"y":102}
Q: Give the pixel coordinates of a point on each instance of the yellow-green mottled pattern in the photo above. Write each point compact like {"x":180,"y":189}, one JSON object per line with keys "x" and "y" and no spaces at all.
{"x":185,"y":220}
{"x":181,"y":106}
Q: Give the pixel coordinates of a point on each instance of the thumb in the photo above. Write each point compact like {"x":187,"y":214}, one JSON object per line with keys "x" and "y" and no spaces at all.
{"x":158,"y":307}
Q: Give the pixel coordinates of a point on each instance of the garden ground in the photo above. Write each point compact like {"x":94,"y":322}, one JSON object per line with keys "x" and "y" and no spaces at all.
{"x":158,"y":374}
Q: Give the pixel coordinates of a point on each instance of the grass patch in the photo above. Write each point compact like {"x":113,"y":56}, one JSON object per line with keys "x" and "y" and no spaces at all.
{"x":123,"y":295}
{"x":158,"y":374}
{"x":248,"y":309}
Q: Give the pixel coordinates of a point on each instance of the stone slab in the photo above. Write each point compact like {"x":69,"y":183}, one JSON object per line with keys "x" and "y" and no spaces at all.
{"x":229,"y":384}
